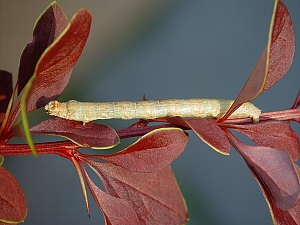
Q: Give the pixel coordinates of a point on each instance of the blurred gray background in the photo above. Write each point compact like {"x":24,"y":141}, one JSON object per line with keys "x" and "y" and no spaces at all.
{"x":163,"y":49}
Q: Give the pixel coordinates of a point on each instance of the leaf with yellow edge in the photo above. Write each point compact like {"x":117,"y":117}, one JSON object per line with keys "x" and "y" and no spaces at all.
{"x":152,"y":152}
{"x":207,"y":130}
{"x":92,"y":135}
{"x":155,"y":197}
{"x":54,"y":68}
{"x":47,"y":28}
{"x":1,"y":160}
{"x":13,"y":206}
{"x":274,"y":61}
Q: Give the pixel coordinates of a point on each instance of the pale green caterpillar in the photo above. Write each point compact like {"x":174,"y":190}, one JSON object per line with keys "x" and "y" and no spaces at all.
{"x":149,"y":109}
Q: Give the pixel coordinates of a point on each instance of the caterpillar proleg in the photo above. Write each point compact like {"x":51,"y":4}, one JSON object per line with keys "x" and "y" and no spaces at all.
{"x":200,"y":108}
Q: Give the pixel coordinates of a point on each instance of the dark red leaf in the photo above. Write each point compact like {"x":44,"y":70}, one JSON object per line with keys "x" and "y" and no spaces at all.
{"x":211,"y":134}
{"x":96,"y":136}
{"x":6,"y":91}
{"x":151,"y":152}
{"x":13,"y":206}
{"x":274,"y":170}
{"x":207,"y":130}
{"x":48,"y":27}
{"x":274,"y":134}
{"x":274,"y":61}
{"x":54,"y":68}
{"x":283,"y":217}
{"x":115,"y":210}
{"x":155,"y":197}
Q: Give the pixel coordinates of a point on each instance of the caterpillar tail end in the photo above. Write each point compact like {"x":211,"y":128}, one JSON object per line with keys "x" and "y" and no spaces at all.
{"x":255,"y":117}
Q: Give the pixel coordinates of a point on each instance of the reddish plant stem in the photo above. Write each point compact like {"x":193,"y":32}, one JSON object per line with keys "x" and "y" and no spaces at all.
{"x":67,"y":148}
{"x":283,"y":115}
{"x":140,"y":128}
{"x":63,"y":148}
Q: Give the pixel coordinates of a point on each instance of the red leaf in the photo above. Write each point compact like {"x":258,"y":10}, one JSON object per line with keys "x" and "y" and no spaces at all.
{"x":54,"y":68}
{"x":208,"y":131}
{"x":274,"y":134}
{"x":274,"y":170}
{"x":282,"y":46}
{"x":274,"y":61}
{"x":283,"y":217}
{"x":96,"y":136}
{"x":6,"y":91}
{"x":151,"y":152}
{"x":115,"y":210}
{"x":155,"y":197}
{"x":48,"y":27}
{"x":13,"y":206}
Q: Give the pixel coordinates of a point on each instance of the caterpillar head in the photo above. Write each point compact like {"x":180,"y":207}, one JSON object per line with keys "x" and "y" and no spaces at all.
{"x":55,"y":108}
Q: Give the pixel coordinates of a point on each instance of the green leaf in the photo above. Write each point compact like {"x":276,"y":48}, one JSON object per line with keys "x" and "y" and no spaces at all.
{"x":24,"y":116}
